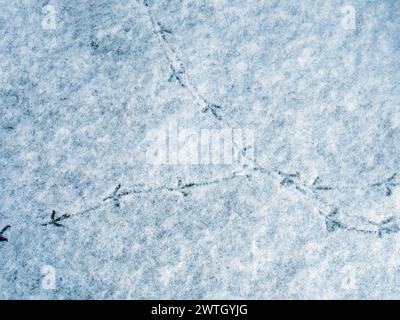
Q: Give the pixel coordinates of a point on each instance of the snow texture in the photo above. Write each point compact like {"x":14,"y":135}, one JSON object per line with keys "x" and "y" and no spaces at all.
{"x":84,"y":215}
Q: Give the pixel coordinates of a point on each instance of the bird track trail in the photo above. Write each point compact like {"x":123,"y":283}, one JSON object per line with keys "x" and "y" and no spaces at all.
{"x":311,"y":192}
{"x":333,"y":218}
{"x":178,"y":71}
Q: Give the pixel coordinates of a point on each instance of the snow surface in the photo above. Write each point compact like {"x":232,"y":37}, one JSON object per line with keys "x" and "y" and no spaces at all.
{"x":314,"y":216}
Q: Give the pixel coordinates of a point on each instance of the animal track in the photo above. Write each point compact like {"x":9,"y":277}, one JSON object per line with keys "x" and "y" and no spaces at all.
{"x":178,"y":71}
{"x":2,"y":237}
{"x":333,"y":218}
{"x":331,"y":214}
{"x":388,"y":184}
